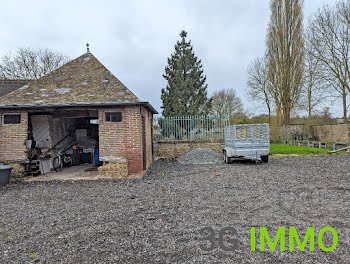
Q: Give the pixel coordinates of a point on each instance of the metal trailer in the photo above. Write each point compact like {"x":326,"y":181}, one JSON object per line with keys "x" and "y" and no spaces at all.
{"x":250,"y":141}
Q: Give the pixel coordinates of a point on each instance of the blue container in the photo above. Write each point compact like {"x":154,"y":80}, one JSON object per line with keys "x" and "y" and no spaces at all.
{"x":97,"y":157}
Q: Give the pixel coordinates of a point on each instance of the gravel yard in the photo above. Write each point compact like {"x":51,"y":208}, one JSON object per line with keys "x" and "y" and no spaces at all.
{"x":157,"y":219}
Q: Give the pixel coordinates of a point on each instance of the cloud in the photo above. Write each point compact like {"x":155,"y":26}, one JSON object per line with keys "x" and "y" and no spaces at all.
{"x":134,"y":38}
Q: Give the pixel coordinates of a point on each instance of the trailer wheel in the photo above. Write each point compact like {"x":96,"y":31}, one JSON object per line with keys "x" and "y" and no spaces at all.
{"x":265,"y":158}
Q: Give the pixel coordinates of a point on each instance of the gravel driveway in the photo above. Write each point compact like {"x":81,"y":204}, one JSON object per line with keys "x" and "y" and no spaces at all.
{"x":157,"y":219}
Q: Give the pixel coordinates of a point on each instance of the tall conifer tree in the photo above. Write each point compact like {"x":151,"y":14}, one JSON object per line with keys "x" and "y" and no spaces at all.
{"x":186,"y":91}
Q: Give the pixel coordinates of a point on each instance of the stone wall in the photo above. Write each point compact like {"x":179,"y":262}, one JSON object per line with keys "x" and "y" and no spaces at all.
{"x":286,"y":132}
{"x":12,"y":139}
{"x":333,"y":133}
{"x":326,"y":133}
{"x":174,"y":149}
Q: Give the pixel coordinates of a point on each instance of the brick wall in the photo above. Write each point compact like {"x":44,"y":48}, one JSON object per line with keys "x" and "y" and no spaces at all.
{"x":124,"y":139}
{"x":12,"y":139}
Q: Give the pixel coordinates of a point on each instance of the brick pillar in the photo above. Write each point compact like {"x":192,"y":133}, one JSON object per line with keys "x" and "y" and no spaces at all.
{"x":12,"y":139}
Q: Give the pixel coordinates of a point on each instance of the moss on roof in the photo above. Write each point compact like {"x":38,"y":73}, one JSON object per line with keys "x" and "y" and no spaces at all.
{"x":81,"y":81}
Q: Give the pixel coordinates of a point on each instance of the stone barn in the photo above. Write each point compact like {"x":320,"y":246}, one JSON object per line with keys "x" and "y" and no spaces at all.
{"x":81,"y":109}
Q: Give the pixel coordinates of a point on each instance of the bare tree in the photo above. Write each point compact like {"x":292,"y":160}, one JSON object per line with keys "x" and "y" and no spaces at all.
{"x":344,"y":10}
{"x":314,"y":89}
{"x":285,"y":54}
{"x":328,"y":33}
{"x":226,"y":103}
{"x":258,"y":83}
{"x":30,"y":64}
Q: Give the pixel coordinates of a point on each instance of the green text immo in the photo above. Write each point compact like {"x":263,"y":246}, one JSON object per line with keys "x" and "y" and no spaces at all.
{"x":294,"y":239}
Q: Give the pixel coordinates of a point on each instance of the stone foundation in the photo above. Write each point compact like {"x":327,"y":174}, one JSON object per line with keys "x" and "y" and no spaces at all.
{"x":117,"y":168}
{"x":173,"y":150}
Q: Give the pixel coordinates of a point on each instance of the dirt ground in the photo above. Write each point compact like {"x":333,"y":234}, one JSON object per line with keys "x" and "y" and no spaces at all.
{"x":81,"y":172}
{"x":84,"y":172}
{"x":157,"y":219}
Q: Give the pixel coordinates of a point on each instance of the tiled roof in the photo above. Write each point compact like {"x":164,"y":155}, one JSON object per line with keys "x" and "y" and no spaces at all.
{"x":82,"y":81}
{"x":8,"y":86}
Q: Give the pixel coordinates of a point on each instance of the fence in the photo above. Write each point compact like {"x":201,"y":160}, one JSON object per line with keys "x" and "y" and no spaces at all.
{"x":189,"y":128}
{"x":248,"y":133}
{"x":316,"y":144}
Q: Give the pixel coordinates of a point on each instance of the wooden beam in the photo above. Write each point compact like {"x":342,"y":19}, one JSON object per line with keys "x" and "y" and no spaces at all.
{"x":342,"y":149}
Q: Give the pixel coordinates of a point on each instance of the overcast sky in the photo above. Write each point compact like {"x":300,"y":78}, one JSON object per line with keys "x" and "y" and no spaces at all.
{"x":134,"y":38}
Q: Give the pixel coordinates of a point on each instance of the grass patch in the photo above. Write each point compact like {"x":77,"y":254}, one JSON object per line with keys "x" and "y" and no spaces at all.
{"x":287,"y":149}
{"x":6,"y":235}
{"x":34,"y":255}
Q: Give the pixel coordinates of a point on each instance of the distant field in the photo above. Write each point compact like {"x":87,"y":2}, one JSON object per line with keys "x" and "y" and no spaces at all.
{"x":287,"y":149}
